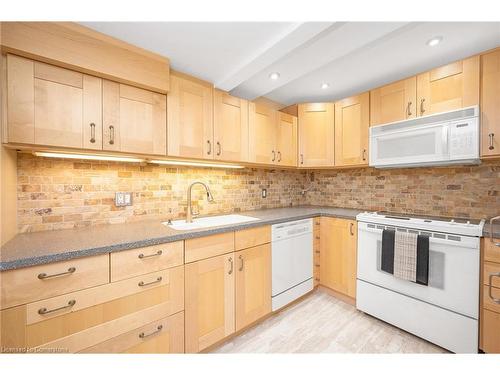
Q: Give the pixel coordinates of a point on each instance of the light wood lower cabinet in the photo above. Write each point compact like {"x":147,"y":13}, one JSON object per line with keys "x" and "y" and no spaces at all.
{"x":253,"y":284}
{"x":162,"y":336}
{"x":338,"y":251}
{"x":490,"y":297}
{"x":209,"y":287}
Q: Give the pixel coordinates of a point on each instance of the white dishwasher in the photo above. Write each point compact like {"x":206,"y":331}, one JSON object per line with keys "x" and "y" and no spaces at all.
{"x":292,"y":261}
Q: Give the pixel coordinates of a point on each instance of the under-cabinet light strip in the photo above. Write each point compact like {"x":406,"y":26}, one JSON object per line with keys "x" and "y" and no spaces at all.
{"x":87,"y":157}
{"x":195,"y":164}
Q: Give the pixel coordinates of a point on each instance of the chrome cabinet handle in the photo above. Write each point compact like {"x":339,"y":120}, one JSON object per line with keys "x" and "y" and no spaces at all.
{"x":491,"y":231}
{"x":274,"y":155}
{"x":491,"y":147}
{"x":158,"y":279}
{"x":301,"y":158}
{"x":422,"y":109}
{"x":364,"y":154}
{"x":44,"y":310}
{"x":242,"y":262}
{"x":279,"y":156}
{"x":408,"y":109}
{"x":209,"y":147}
{"x":351,"y":227}
{"x":142,"y":256}
{"x":492,"y":275}
{"x":111,"y":135}
{"x":143,"y":335}
{"x":92,"y":132}
{"x":231,"y":264}
{"x":219,"y":148}
{"x":43,"y":276}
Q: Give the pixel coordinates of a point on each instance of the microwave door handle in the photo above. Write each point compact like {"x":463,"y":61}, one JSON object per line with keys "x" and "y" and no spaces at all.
{"x":445,"y":139}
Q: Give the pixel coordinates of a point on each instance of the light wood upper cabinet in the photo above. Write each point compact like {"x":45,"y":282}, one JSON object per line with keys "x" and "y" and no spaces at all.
{"x":230,"y":127}
{"x":190,"y":118}
{"x":262,"y":133}
{"x":210,"y":303}
{"x":286,"y":144}
{"x":448,"y":87}
{"x":394,"y":102}
{"x":52,"y":106}
{"x":135,"y":120}
{"x":338,"y":255}
{"x":253,"y":284}
{"x":490,"y":104}
{"x":316,"y":134}
{"x":352,"y":116}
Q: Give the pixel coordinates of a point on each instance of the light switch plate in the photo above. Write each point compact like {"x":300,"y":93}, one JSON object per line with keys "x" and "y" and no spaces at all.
{"x":123,"y":199}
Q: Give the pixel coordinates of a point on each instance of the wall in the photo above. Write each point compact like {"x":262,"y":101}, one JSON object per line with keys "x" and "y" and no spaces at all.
{"x":472,"y":191}
{"x":63,"y":193}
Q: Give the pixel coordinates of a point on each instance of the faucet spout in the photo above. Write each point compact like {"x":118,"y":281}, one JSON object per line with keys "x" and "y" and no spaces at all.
{"x":210,"y":198}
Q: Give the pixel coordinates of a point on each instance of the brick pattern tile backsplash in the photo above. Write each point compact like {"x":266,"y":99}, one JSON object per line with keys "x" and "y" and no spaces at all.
{"x":464,"y":191}
{"x":62,"y":193}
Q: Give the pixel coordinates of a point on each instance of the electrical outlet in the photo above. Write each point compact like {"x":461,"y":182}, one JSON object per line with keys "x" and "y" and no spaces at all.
{"x":264,"y":193}
{"x":123,"y":199}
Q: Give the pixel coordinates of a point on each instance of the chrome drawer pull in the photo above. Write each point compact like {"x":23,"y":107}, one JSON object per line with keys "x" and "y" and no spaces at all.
{"x":142,"y":256}
{"x":159,"y":279}
{"x":43,"y":276}
{"x":492,"y":275}
{"x":44,"y":310}
{"x":491,"y":230}
{"x":158,"y":330}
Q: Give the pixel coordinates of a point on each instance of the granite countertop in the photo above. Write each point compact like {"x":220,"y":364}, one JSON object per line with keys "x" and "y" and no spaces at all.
{"x":29,"y":249}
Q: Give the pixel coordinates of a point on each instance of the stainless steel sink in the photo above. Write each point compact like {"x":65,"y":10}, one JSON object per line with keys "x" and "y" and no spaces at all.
{"x":211,"y":221}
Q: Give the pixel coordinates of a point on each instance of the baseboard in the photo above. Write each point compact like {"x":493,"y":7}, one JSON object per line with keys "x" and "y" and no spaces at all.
{"x":338,"y":295}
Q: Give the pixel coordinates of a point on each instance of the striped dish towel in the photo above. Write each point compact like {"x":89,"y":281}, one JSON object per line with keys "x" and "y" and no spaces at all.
{"x":405,"y":256}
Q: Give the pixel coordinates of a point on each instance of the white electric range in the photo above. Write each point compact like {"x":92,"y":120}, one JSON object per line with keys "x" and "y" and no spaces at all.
{"x":445,"y":311}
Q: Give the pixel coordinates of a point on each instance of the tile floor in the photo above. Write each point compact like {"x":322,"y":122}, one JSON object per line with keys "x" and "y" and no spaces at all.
{"x":323,"y":324}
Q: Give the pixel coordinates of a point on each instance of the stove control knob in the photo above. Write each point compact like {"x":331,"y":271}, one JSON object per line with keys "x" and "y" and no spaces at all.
{"x":452,"y":221}
{"x":468,"y":222}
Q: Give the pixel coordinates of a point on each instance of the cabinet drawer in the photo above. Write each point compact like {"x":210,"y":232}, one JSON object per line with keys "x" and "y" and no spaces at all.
{"x":209,"y":246}
{"x":488,"y":302}
{"x":490,"y":332}
{"x":35,"y":283}
{"x":162,"y":336}
{"x":491,"y":269}
{"x":162,"y":286}
{"x":105,"y":307}
{"x":143,"y":260}
{"x":243,"y":239}
{"x":491,"y":252}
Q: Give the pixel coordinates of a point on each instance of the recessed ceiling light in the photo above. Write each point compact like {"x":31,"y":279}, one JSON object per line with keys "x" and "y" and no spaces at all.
{"x":434,"y":41}
{"x":274,"y":76}
{"x":325,"y":85}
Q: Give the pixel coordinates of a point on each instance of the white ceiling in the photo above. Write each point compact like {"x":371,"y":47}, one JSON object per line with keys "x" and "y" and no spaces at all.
{"x":351,"y":56}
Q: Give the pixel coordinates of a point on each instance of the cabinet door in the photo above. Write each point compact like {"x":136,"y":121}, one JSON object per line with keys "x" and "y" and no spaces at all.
{"x":287,"y":140}
{"x":262,"y":134}
{"x":490,"y":104}
{"x":394,"y":102}
{"x":190,"y":122}
{"x":209,"y":301}
{"x":338,"y":255}
{"x":253,"y":284}
{"x":230,"y":127}
{"x":316,"y":135}
{"x":449,"y":87}
{"x":135,"y":120}
{"x":351,"y":130}
{"x":48,"y":105}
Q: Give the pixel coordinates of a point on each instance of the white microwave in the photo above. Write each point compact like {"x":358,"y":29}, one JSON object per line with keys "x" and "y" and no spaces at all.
{"x":441,"y":139}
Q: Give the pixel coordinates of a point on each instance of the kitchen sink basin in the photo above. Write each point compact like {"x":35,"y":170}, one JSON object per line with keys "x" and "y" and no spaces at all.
{"x":211,"y":221}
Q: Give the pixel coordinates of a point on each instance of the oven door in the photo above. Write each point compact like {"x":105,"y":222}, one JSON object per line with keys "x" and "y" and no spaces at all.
{"x":453,"y":269}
